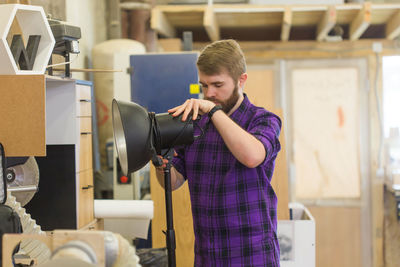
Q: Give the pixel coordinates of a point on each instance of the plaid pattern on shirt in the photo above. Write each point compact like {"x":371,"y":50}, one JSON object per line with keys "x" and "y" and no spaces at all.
{"x":234,"y":207}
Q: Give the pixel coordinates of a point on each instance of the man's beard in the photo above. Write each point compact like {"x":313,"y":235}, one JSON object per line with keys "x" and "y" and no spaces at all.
{"x":230,"y":102}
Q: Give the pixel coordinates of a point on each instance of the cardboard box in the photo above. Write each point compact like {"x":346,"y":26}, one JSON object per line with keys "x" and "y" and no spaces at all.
{"x":297,"y":238}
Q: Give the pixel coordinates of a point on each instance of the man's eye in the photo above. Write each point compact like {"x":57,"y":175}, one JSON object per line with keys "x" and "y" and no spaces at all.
{"x":218,"y":85}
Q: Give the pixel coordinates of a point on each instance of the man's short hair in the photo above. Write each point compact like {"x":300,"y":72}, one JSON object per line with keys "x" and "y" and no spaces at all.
{"x":220,"y":56}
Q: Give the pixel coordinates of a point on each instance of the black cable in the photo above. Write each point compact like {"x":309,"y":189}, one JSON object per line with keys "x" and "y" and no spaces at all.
{"x":203,"y":131}
{"x":177,"y":137}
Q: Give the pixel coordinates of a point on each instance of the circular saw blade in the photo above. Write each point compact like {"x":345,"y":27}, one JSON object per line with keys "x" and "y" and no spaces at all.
{"x":26,"y":174}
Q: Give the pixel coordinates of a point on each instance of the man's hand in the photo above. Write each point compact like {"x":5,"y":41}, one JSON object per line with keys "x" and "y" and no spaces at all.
{"x":197,"y":106}
{"x":176,"y":178}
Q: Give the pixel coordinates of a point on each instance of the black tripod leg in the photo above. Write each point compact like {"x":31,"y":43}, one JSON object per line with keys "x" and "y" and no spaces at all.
{"x":170,"y":233}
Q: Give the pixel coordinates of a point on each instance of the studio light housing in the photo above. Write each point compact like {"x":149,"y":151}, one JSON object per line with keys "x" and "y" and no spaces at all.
{"x":140,"y":134}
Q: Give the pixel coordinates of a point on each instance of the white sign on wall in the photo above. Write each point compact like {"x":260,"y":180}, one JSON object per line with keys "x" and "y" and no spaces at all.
{"x":32,"y":21}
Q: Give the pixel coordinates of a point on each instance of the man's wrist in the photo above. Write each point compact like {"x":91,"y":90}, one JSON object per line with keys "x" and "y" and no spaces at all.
{"x":213,"y":110}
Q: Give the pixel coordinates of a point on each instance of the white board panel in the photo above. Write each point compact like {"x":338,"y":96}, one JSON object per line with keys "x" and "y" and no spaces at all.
{"x":326,"y":132}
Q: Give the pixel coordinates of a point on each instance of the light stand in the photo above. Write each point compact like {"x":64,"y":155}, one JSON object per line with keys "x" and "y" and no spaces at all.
{"x":139,"y":137}
{"x":170,"y":233}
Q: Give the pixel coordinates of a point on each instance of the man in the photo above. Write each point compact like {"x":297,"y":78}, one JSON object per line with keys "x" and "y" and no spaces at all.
{"x":230,"y":166}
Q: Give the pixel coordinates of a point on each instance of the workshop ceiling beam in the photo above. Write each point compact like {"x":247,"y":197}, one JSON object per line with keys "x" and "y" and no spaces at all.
{"x":393,"y":26}
{"x":326,"y":24}
{"x":211,"y":24}
{"x":160,"y":24}
{"x":286,"y":24}
{"x":361,"y":22}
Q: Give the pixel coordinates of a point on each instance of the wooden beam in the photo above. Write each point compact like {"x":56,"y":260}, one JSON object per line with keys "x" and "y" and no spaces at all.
{"x":361,"y":22}
{"x":286,"y":24}
{"x":393,"y":26}
{"x":211,"y":24}
{"x":327,"y":23}
{"x":160,"y":23}
{"x":260,"y":52}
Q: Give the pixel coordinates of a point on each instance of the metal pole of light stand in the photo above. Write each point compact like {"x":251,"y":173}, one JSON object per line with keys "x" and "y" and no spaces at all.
{"x":170,"y":233}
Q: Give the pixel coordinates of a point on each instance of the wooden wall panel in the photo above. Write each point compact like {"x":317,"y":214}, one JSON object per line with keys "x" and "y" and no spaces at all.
{"x":260,"y":90}
{"x":338,"y":236}
{"x":170,"y":45}
{"x":183,"y":222}
{"x":326,"y":132}
{"x":259,"y":87}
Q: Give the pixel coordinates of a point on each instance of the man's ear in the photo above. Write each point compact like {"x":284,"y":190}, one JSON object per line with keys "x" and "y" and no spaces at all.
{"x":242,"y":80}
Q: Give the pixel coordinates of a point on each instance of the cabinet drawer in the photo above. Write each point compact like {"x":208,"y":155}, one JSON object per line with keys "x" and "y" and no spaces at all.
{"x":85,"y":151}
{"x":84,"y":108}
{"x":85,"y":124}
{"x":86,"y":202}
{"x":83,"y":92}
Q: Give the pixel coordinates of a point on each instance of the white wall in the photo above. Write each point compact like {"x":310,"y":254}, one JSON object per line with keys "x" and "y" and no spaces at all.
{"x":90,"y":16}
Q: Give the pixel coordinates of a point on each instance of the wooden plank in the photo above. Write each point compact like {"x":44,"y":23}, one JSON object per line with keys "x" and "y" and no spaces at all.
{"x":377,"y":205}
{"x":260,"y":90}
{"x":211,"y":25}
{"x":261,"y":52}
{"x":393,"y":26}
{"x":338,"y":236}
{"x":160,"y":23}
{"x":280,"y":179}
{"x":85,"y":196}
{"x":381,"y":15}
{"x":327,"y":23}
{"x":23,"y":115}
{"x":170,"y":45}
{"x":307,"y":18}
{"x":346,"y":16}
{"x":286,"y":24}
{"x":183,"y":221}
{"x":361,"y":22}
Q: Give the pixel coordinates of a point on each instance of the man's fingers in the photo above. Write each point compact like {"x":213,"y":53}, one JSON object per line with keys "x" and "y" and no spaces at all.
{"x":195,"y":110}
{"x":173,"y":109}
{"x":188,"y":108}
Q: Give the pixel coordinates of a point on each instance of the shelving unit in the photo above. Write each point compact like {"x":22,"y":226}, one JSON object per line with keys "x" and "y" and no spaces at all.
{"x":280,"y":23}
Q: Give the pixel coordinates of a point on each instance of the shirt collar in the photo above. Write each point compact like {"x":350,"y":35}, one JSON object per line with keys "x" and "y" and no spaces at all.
{"x":241,"y":110}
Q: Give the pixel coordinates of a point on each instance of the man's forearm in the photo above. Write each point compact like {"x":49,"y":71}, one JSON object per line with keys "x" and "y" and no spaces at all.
{"x":176,"y":178}
{"x":245,"y":147}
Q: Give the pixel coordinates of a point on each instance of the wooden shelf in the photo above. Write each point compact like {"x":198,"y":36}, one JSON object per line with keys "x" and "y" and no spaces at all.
{"x":283,"y":23}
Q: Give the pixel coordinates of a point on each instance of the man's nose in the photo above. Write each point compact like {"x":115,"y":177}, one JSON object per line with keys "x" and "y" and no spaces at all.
{"x":209,"y":92}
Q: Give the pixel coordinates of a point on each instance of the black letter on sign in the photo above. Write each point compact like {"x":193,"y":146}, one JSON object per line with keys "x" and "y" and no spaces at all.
{"x":25,"y":57}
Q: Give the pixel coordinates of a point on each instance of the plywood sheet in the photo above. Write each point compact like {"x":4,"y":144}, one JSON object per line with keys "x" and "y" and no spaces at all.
{"x":183,"y":221}
{"x":260,"y":90}
{"x":338,"y":236}
{"x":326,"y":132}
{"x":280,"y":179}
{"x":259,"y":86}
{"x":170,"y":44}
{"x":22,"y":115}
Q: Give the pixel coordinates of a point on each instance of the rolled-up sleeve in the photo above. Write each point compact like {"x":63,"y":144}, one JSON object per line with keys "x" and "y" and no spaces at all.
{"x":266,"y":127}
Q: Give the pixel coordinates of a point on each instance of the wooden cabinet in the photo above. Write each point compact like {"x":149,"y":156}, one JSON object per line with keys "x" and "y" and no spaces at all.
{"x":65,"y":196}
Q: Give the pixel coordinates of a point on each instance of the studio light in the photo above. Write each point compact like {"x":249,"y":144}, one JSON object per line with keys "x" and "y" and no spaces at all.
{"x":140,"y":136}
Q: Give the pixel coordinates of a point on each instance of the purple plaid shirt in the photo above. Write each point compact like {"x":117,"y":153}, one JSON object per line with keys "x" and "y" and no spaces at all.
{"x":233,"y":206}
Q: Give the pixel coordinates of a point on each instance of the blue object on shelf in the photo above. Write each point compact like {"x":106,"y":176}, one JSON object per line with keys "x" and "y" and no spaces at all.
{"x":162,"y":81}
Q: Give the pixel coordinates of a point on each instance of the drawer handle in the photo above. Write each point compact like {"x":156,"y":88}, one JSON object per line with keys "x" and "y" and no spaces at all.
{"x":85,"y":100}
{"x":86,"y":133}
{"x":87,"y":187}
